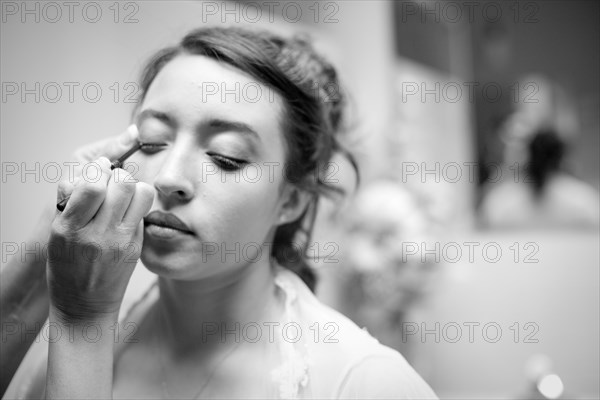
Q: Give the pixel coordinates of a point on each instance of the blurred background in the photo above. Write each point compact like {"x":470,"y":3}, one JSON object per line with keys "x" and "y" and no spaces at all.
{"x":472,"y":244}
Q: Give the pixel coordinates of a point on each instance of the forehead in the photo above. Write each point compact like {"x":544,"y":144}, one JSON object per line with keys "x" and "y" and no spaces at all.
{"x":194,"y":88}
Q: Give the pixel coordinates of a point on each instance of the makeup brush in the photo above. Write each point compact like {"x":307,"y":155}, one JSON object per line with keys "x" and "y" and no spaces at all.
{"x":118,"y":163}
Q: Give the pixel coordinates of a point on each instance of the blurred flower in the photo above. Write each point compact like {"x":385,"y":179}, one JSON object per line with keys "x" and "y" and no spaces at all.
{"x":383,"y":282}
{"x":383,"y":215}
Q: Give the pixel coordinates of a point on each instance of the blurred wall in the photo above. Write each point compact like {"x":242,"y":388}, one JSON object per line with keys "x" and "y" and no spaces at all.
{"x":88,"y":50}
{"x":523,"y":301}
{"x":555,"y":39}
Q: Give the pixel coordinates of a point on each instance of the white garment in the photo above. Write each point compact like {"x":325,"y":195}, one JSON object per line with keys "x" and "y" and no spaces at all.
{"x":323,"y":354}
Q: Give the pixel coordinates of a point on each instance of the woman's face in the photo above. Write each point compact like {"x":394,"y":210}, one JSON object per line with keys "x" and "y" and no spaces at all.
{"x":220,"y":173}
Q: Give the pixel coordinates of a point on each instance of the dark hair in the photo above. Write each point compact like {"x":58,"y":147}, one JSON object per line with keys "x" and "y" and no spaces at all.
{"x":546,"y":152}
{"x":314,"y":104}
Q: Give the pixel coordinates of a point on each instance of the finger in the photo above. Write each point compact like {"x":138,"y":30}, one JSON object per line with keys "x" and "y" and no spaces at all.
{"x":134,"y":248}
{"x":63,"y":193}
{"x":65,"y":188}
{"x":112,"y":147}
{"x":138,"y":237}
{"x":120,"y":191}
{"x":140,"y":204}
{"x":89,"y":194}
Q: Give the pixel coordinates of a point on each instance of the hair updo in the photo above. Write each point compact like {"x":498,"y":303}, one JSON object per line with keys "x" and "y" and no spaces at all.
{"x":314,"y":104}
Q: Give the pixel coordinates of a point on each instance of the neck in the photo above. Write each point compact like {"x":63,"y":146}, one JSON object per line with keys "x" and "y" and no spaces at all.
{"x":214,"y":309}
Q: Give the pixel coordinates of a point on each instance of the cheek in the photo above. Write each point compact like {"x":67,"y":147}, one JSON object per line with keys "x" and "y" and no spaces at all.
{"x":244,"y":209}
{"x":142,"y":168}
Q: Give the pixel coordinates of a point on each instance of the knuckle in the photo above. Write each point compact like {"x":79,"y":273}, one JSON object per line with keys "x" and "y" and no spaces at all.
{"x":126,"y":187}
{"x":57,"y":228}
{"x":122,"y":176}
{"x":93,"y":190}
{"x":60,"y":229}
{"x":64,"y":186}
{"x":144,"y":189}
{"x":104,"y":164}
{"x":124,"y":229}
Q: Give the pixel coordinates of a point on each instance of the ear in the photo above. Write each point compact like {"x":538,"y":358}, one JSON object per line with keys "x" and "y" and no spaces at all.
{"x":294,"y":203}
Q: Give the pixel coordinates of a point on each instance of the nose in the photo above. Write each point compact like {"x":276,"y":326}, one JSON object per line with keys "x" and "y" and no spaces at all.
{"x":174,"y":182}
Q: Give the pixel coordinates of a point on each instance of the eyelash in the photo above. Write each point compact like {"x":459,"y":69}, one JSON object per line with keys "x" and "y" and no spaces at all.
{"x":227,"y":163}
{"x":148,"y":147}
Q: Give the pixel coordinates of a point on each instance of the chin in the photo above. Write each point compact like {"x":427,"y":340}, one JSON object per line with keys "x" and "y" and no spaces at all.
{"x":181,"y":266}
{"x":169,"y":266}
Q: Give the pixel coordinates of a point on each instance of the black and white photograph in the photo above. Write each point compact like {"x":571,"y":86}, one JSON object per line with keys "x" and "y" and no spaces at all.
{"x":300,"y":199}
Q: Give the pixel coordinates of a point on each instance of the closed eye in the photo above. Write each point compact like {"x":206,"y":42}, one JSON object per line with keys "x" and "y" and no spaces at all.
{"x":227,"y":163}
{"x":151,"y":148}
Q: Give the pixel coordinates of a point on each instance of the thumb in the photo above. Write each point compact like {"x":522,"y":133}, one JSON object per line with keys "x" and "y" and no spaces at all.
{"x":126,"y":139}
{"x":117,"y":145}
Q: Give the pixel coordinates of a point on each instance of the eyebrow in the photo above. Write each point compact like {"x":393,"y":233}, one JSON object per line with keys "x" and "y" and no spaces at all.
{"x":150,"y":113}
{"x":225,"y":125}
{"x":216,"y":123}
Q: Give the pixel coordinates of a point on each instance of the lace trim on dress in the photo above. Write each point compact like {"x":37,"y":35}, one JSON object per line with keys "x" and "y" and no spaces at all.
{"x":292,"y":375}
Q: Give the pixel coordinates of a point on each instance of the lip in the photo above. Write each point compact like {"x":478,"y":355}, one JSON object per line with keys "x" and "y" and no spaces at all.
{"x":167,"y":220}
